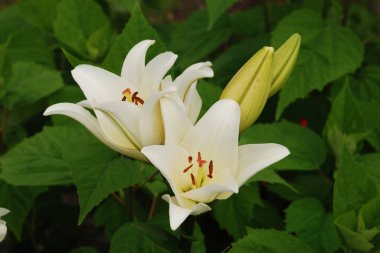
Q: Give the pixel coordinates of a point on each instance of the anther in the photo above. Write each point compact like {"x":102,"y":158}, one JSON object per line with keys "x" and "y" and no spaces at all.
{"x":210,"y":169}
{"x":187,"y":168}
{"x":192,"y":179}
{"x":136,"y":100}
{"x":190,"y":159}
{"x":200,"y":161}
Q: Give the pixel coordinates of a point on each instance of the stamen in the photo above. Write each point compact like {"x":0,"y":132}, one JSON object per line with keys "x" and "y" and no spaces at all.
{"x":190,"y":159}
{"x":192,"y":179}
{"x":200,"y":161}
{"x":210,"y":169}
{"x":187,"y":168}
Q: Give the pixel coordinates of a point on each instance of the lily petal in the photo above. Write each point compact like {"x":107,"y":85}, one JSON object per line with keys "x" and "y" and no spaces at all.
{"x":216,"y":134}
{"x":178,"y":214}
{"x":167,"y":159}
{"x":209,"y":192}
{"x":175,"y":119}
{"x":99,"y":84}
{"x":3,"y":230}
{"x":78,"y":113}
{"x":154,"y":72}
{"x":151,"y":127}
{"x":3,"y":211}
{"x":89,"y":121}
{"x":128,"y":115}
{"x":134,"y":63}
{"x":193,"y":103}
{"x":191,"y":75}
{"x":255,"y":157}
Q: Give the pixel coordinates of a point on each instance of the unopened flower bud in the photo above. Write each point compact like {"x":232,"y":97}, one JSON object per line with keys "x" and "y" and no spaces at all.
{"x":251,"y":85}
{"x":284,"y":60}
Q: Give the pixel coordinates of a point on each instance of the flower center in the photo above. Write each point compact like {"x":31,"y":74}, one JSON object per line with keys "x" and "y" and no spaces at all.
{"x":198,"y":174}
{"x":132,"y":97}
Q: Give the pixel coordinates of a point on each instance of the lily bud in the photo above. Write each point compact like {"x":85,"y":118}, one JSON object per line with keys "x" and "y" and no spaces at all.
{"x":284,"y":59}
{"x":251,"y":85}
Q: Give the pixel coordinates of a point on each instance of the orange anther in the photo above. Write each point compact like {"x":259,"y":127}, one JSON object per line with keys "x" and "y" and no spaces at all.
{"x":187,"y":168}
{"x":210,"y":169}
{"x":192,"y":179}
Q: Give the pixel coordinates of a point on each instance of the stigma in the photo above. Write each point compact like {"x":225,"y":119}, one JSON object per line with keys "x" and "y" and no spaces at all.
{"x":132,"y":97}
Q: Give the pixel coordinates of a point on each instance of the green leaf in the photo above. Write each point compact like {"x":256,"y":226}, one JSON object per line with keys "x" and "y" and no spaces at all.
{"x":239,"y":206}
{"x":371,"y":114}
{"x":141,"y":237}
{"x":345,"y":124}
{"x":231,"y":60}
{"x":209,"y":93}
{"x":361,"y":185}
{"x":313,"y":185}
{"x":40,"y":13}
{"x":268,"y":175}
{"x":136,"y":30}
{"x":110,"y":208}
{"x":309,"y":220}
{"x":216,"y":8}
{"x":370,"y":165}
{"x":269,"y":241}
{"x":29,"y":83}
{"x":249,"y":22}
{"x":39,"y":160}
{"x":198,"y":244}
{"x":346,"y":224}
{"x":369,"y":214}
{"x":27,"y":43}
{"x":97,"y":172}
{"x":307,"y":151}
{"x":193,"y":42}
{"x":327,"y":53}
{"x":84,"y":250}
{"x":82,"y":27}
{"x":19,"y":200}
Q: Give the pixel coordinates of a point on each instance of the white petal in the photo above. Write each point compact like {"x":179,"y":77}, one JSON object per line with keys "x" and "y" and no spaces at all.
{"x":255,"y":157}
{"x":90,"y":122}
{"x":216,"y":135}
{"x":134,"y":63}
{"x":167,"y":83}
{"x":154,"y":72}
{"x":78,"y":113}
{"x":113,"y":131}
{"x":178,"y":214}
{"x":85,"y":104}
{"x":176,"y":122}
{"x":209,"y":192}
{"x":151,"y":125}
{"x":3,"y":211}
{"x":170,"y":161}
{"x":128,"y":115}
{"x":193,"y":103}
{"x":3,"y":230}
{"x":191,"y":75}
{"x":99,"y":84}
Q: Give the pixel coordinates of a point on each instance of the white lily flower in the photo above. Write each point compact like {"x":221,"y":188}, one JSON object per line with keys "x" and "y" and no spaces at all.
{"x":127,"y":112}
{"x":3,"y":224}
{"x":204,"y":162}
